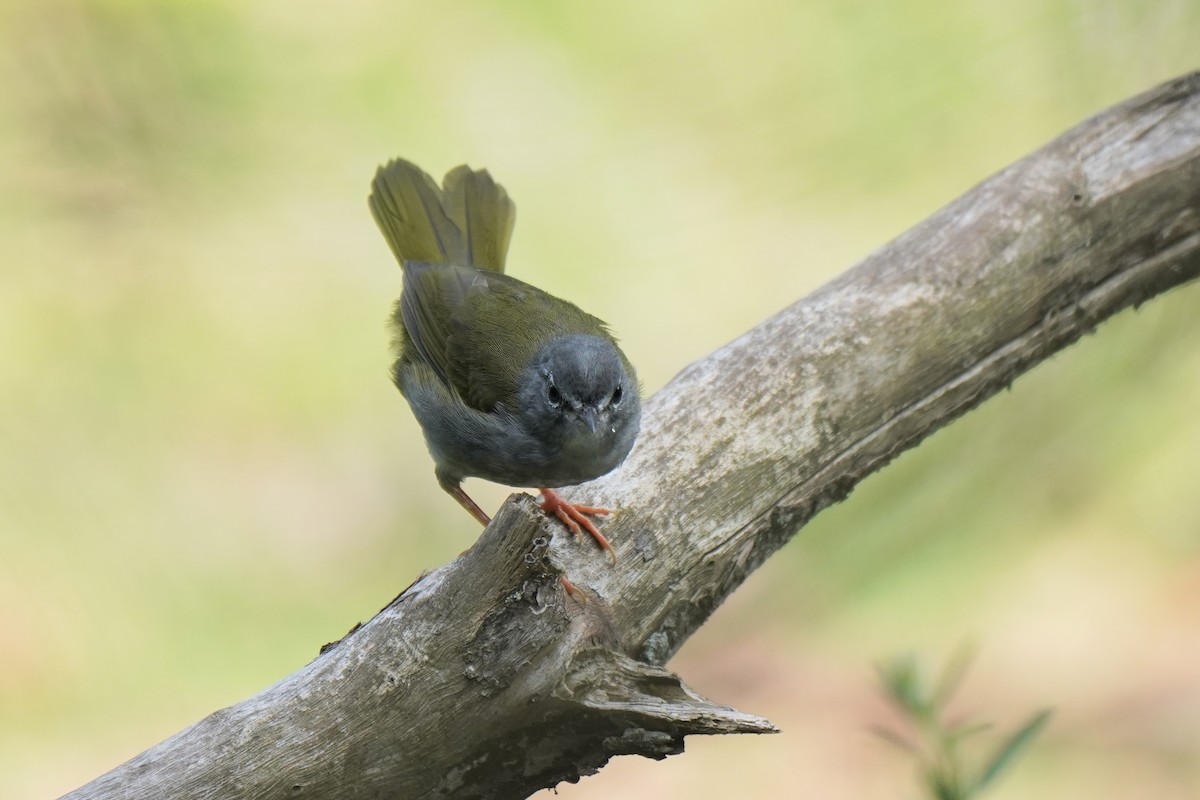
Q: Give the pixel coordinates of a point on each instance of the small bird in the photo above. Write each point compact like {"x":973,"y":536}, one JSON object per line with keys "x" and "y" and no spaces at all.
{"x":509,"y":383}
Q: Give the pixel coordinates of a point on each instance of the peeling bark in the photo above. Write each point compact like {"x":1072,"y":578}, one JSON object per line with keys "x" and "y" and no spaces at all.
{"x":485,"y":679}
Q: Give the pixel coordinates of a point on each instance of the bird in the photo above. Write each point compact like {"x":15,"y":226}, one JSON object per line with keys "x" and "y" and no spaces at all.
{"x":508,"y":383}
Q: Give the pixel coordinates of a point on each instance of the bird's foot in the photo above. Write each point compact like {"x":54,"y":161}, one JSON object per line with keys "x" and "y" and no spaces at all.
{"x":573,"y":516}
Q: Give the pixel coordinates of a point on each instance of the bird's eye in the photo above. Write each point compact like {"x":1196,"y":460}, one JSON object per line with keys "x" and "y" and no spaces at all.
{"x":553,"y":396}
{"x":617,"y":396}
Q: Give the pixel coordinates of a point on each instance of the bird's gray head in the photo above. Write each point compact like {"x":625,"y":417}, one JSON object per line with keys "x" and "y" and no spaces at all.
{"x":580,"y":396}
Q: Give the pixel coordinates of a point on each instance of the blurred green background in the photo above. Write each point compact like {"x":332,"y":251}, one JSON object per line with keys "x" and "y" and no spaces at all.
{"x":205,"y":473}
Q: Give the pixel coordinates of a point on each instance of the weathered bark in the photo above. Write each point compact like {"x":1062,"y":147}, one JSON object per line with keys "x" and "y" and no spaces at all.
{"x":483,"y":679}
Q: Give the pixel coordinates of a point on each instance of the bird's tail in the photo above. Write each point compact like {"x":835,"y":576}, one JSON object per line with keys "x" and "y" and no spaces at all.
{"x":467,"y":222}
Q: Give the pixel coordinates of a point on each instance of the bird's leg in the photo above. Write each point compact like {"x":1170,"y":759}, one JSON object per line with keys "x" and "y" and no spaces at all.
{"x":455,"y":490}
{"x":572,"y":515}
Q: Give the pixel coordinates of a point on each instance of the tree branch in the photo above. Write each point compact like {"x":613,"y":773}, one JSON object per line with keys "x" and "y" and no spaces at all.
{"x":484,"y":679}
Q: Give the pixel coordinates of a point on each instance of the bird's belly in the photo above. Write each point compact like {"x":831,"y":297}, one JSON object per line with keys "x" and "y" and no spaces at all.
{"x":518,"y":461}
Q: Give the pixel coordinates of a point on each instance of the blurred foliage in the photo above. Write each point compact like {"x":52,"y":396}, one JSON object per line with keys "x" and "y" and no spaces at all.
{"x":205,"y":474}
{"x":936,"y":742}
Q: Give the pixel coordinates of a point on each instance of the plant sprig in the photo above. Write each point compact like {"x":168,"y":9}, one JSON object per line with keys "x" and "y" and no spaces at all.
{"x":934,"y":741}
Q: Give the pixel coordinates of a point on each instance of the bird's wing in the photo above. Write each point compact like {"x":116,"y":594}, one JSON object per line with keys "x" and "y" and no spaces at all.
{"x":433,"y":294}
{"x":496,"y":332}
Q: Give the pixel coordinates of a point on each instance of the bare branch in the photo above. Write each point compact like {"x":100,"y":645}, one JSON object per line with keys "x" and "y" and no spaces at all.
{"x":484,"y":679}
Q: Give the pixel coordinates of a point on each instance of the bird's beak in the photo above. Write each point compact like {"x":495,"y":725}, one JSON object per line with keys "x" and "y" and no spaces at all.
{"x":588,"y":415}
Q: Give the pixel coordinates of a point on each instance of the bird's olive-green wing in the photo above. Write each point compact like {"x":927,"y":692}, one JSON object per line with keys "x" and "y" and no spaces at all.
{"x":432,"y":295}
{"x":499,"y":327}
{"x":468,"y":221}
{"x":478,"y":330}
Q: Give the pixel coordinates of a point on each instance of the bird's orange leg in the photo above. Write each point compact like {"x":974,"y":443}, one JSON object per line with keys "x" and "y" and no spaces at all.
{"x":572,"y":515}
{"x":455,"y":490}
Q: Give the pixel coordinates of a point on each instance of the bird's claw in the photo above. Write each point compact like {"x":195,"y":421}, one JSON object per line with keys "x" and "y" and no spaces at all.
{"x":573,"y":591}
{"x":572,"y":516}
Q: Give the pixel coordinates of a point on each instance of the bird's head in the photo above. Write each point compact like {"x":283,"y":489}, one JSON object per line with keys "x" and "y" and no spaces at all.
{"x":580,"y":395}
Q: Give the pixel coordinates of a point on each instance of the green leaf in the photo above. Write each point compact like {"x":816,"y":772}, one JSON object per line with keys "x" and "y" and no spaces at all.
{"x":901,"y":679}
{"x":1009,"y":751}
{"x":943,"y":786}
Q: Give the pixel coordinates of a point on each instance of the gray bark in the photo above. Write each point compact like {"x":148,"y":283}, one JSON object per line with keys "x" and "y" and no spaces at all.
{"x":485,"y":679}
